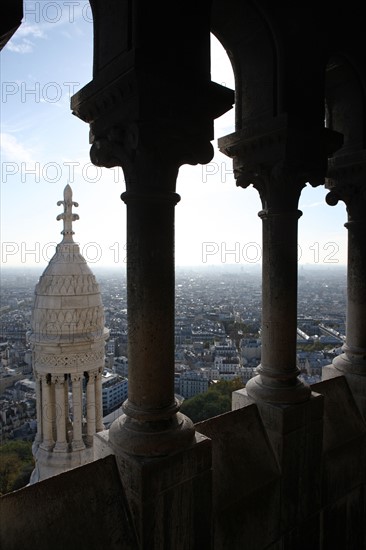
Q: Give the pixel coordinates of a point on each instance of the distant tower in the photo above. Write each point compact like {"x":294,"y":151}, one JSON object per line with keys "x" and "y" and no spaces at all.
{"x":67,"y":337}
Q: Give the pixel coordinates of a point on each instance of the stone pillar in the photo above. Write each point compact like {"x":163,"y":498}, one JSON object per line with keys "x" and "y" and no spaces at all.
{"x":61,"y":442}
{"x":47,"y":414}
{"x":151,"y":424}
{"x":38,"y":437}
{"x":277,"y":380}
{"x":77,"y":441}
{"x":99,"y":402}
{"x":150,"y":126}
{"x":350,"y":186}
{"x":90,"y":407}
{"x":279,"y":159}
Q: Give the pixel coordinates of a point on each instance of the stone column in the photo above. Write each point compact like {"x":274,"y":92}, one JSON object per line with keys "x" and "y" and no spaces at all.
{"x":99,"y":402}
{"x":61,"y":442}
{"x":150,"y":126}
{"x":77,"y":441}
{"x":277,"y":380}
{"x":90,"y":407}
{"x":47,"y":414}
{"x":38,"y":437}
{"x":350,"y":186}
{"x":151,"y":424}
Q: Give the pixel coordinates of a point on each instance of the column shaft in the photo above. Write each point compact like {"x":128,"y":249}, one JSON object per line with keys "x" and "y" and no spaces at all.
{"x":47,"y":414}
{"x":61,"y":443}
{"x":77,"y":441}
{"x":279,"y":295}
{"x":356,"y":288}
{"x":90,"y":407}
{"x":152,"y":425}
{"x":99,"y":403}
{"x":38,"y":438}
{"x":150,"y":295}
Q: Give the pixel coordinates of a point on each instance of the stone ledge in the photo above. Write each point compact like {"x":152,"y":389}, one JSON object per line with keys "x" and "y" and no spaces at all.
{"x":82,"y":508}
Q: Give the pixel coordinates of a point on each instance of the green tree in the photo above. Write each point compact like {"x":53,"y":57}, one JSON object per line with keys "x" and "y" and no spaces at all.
{"x":217,"y":400}
{"x":16,"y":465}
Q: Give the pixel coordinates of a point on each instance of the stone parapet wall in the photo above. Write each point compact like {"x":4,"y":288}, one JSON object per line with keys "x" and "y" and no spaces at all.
{"x":283,"y":477}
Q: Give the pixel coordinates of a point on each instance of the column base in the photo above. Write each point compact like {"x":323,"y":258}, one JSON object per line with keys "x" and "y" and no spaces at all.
{"x":277,"y":392}
{"x":351,"y":362}
{"x":151,"y":438}
{"x":170,"y":497}
{"x":47,"y":445}
{"x":60,"y":448}
{"x":78,"y":445}
{"x":354,"y":370}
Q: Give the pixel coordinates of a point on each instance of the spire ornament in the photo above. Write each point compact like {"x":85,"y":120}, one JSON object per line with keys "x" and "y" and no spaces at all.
{"x":67,"y":216}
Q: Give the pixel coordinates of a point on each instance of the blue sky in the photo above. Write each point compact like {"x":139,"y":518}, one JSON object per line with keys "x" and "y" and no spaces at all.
{"x":44,"y":147}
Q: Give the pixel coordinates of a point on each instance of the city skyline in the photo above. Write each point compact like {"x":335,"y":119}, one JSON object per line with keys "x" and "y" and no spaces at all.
{"x":44,"y":147}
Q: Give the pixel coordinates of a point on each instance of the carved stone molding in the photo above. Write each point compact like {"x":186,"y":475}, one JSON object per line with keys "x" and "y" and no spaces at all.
{"x":279,"y":186}
{"x":53,"y":322}
{"x":67,"y":361}
{"x":150,"y":160}
{"x":67,"y":285}
{"x":346,"y":181}
{"x":272,"y":156}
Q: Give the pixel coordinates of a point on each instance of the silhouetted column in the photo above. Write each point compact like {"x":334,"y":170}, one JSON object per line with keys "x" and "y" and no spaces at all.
{"x":352,"y":362}
{"x":151,"y":424}
{"x":279,"y":158}
{"x":277,"y":380}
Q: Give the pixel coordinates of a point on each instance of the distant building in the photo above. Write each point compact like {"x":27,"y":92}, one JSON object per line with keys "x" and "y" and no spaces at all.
{"x":120,"y":366}
{"x":192,"y":383}
{"x":114,"y":391}
{"x":250,"y":349}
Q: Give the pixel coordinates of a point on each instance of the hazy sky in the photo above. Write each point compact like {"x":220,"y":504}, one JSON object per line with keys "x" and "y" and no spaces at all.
{"x":44,"y":147}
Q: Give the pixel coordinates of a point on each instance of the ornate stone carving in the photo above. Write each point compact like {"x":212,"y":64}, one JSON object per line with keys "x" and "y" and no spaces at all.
{"x":69,"y":285}
{"x":58,"y":379}
{"x":346,"y":181}
{"x":82,"y":360}
{"x":149,"y":163}
{"x":50,"y":322}
{"x":67,"y":216}
{"x":279,"y":186}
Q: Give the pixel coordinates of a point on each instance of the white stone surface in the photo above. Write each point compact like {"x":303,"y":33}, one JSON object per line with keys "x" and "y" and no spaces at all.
{"x":68,"y":344}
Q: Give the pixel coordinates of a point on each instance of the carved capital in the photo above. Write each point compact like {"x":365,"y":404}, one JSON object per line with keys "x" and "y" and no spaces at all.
{"x":346,"y":181}
{"x":150,"y":159}
{"x":279,"y":186}
{"x":354,"y":198}
{"x":58,"y":379}
{"x":92,"y":374}
{"x":76,"y":377}
{"x":278,"y":160}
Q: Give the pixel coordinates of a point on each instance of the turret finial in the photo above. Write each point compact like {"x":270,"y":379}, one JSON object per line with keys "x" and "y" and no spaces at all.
{"x":67,"y":216}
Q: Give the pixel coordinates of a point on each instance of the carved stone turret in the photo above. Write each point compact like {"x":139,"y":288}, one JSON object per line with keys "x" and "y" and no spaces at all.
{"x":67,"y":337}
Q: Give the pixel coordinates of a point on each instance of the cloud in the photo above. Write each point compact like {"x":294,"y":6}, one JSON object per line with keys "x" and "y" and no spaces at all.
{"x":26,"y":29}
{"x":13,"y":150}
{"x":25,"y":46}
{"x":20,"y":42}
